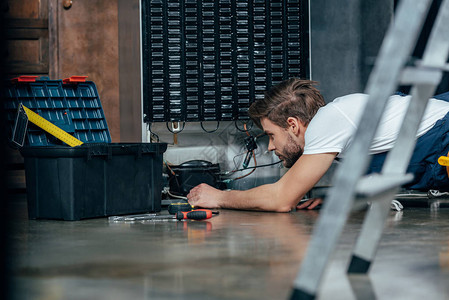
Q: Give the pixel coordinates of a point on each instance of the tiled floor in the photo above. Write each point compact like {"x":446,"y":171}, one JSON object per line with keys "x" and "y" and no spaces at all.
{"x":235,"y":255}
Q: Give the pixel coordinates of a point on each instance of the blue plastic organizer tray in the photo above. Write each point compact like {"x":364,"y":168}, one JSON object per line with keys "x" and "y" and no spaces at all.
{"x":72,"y":105}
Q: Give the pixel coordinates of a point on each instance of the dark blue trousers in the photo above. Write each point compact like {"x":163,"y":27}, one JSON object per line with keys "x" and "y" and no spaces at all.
{"x":424,"y":162}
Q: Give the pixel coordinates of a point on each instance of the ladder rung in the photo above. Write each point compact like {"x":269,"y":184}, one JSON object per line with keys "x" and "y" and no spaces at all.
{"x":445,"y":67}
{"x":375,"y":184}
{"x":423,"y":75}
{"x":427,"y":65}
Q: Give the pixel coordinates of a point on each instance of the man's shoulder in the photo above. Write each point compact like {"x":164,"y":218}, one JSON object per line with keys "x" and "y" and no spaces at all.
{"x":332,"y":127}
{"x":349,"y":105}
{"x":350,"y":98}
{"x":346,"y":108}
{"x":344,"y":104}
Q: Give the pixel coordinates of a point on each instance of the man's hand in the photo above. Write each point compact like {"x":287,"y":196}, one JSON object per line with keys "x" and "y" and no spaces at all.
{"x":310,"y":204}
{"x":205,"y":196}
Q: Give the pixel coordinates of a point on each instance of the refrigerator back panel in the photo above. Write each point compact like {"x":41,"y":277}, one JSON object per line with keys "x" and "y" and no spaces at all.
{"x":208,"y":60}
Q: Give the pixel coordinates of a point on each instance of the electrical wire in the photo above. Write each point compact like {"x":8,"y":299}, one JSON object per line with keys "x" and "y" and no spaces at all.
{"x":255,"y":167}
{"x":176,"y":196}
{"x":168,"y":167}
{"x":210,"y":131}
{"x":152,"y":134}
{"x":155,"y":136}
{"x":246,"y":130}
{"x":235,"y":164}
{"x":175,"y":177}
{"x":252,"y":171}
{"x":237,"y":127}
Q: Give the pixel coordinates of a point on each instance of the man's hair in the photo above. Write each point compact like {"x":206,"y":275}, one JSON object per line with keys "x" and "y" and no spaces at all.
{"x":291,"y":98}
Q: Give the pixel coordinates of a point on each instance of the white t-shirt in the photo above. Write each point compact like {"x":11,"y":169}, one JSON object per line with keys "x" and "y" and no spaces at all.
{"x":333,"y":127}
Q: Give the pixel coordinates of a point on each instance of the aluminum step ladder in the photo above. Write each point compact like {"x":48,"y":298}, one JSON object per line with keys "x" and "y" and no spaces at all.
{"x":350,"y":186}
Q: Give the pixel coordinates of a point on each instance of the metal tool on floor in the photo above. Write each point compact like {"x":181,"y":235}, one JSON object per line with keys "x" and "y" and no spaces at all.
{"x":24,"y":114}
{"x":131,"y":217}
{"x":197,"y":214}
{"x":350,"y":186}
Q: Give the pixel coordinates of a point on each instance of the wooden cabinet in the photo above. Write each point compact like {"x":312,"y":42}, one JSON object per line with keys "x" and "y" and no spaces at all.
{"x":27,"y":44}
{"x":44,"y":38}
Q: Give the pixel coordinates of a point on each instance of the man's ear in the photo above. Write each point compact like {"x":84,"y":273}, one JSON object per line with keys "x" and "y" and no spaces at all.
{"x":294,"y":125}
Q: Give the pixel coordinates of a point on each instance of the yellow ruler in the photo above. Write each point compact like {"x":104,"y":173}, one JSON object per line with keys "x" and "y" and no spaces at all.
{"x":51,"y":128}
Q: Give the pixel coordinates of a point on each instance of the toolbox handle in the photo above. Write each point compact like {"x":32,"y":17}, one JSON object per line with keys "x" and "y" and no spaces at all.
{"x":74,"y":79}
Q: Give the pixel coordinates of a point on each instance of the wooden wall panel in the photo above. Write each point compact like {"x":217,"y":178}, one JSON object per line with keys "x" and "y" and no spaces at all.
{"x":87,"y":40}
{"x":27,"y":52}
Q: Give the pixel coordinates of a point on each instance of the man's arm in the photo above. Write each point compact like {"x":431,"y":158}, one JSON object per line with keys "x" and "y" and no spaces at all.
{"x":281,"y":196}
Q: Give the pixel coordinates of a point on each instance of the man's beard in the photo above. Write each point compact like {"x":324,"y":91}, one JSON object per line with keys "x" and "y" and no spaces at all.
{"x":290,"y":153}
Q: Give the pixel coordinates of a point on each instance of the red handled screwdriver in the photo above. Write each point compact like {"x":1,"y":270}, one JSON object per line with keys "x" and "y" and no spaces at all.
{"x":197,"y":214}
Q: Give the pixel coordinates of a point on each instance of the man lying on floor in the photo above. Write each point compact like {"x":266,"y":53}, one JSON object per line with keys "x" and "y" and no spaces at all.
{"x":308,"y":135}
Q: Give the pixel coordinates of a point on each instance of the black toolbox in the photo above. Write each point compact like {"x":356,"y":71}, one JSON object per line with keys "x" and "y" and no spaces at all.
{"x":95,"y":179}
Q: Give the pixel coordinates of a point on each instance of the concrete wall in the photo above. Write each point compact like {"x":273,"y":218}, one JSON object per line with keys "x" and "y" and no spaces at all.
{"x":345,"y":39}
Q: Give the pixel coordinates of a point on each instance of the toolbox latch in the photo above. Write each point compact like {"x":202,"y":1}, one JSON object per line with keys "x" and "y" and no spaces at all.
{"x":99,"y":150}
{"x":25,"y":78}
{"x":74,"y":79}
